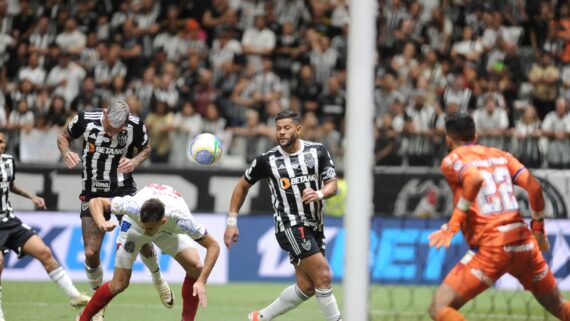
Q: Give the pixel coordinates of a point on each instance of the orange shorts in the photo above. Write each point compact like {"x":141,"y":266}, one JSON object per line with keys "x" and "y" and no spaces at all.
{"x":478,"y":271}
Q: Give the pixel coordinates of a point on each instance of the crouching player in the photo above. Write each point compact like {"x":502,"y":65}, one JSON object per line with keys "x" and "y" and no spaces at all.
{"x":158,"y":214}
{"x":486,"y":211}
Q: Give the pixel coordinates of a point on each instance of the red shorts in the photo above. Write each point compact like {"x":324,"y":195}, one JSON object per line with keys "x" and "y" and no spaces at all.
{"x":478,"y":271}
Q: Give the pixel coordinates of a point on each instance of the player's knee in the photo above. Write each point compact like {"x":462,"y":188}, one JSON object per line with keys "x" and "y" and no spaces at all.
{"x":119,"y":285}
{"x":91,"y":253}
{"x":307,"y":290}
{"x":44,"y":255}
{"x":324,"y":278}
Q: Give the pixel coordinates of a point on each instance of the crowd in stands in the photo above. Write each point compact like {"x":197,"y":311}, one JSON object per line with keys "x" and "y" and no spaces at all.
{"x":228,"y":66}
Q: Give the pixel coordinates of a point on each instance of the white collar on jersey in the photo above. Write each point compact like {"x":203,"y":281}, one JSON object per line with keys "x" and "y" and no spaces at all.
{"x":295,"y":153}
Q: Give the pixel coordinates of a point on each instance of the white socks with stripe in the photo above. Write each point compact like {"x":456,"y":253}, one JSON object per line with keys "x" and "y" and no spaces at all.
{"x":327,"y":302}
{"x":62,"y":279}
{"x":94,"y":276}
{"x":151,"y":264}
{"x":289,"y":299}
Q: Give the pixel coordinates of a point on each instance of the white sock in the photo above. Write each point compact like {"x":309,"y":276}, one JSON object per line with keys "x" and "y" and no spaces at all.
{"x":62,"y":279}
{"x":94,"y":276}
{"x":1,"y":312}
{"x":327,"y":302}
{"x":289,"y":299}
{"x":152,"y":265}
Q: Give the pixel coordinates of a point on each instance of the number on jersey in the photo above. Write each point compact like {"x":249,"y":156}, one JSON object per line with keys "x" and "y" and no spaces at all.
{"x":497,"y":194}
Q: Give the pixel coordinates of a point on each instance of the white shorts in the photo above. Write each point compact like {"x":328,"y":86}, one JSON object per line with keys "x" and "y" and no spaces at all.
{"x":129,"y":245}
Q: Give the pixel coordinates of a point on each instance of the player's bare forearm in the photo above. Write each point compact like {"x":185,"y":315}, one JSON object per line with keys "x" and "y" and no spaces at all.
{"x":330,"y":188}
{"x":238,"y":196}
{"x":64,"y":141}
{"x":212,"y":253}
{"x":142,"y":155}
{"x":19,"y":191}
{"x":97,"y":207}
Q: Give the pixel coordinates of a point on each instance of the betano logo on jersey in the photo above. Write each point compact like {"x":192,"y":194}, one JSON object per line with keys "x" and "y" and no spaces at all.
{"x":285,"y":182}
{"x":106,"y":150}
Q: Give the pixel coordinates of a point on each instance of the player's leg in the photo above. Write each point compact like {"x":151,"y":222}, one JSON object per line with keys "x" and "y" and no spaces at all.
{"x":92,"y":240}
{"x":1,"y":269}
{"x":190,"y":261}
{"x":33,"y":245}
{"x":318,"y":270}
{"x":106,"y":292}
{"x":291,"y":297}
{"x":465,"y":281}
{"x":534,"y":274}
{"x":150,"y":260}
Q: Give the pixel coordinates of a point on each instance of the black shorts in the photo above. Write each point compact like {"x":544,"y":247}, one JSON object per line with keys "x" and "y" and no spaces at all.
{"x":301,"y":242}
{"x":14,"y":237}
{"x":85,"y":204}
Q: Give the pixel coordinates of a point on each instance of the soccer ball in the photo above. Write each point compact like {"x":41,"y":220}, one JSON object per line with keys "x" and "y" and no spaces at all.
{"x":205,"y":149}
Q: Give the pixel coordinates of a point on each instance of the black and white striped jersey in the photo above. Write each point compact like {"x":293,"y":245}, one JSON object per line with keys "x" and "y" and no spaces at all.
{"x":288,"y":175}
{"x":7,"y":176}
{"x":102,"y":153}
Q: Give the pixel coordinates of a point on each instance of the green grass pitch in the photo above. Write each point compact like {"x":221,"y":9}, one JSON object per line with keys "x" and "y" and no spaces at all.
{"x":35,"y":301}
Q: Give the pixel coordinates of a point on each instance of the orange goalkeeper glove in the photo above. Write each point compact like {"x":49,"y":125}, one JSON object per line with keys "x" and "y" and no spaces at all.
{"x":447,"y":231}
{"x":537,"y":229}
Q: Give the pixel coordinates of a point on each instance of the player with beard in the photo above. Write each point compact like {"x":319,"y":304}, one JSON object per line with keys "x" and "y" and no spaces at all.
{"x":300,"y":175}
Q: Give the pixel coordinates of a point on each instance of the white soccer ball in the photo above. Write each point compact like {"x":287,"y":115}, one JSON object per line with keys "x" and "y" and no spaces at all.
{"x":205,"y":149}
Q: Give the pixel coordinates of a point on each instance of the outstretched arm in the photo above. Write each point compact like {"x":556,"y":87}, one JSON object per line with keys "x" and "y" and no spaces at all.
{"x":238,"y":196}
{"x":70,"y":158}
{"x":212,"y":253}
{"x":98,"y":206}
{"x":38,"y":201}
{"x":471,"y":183}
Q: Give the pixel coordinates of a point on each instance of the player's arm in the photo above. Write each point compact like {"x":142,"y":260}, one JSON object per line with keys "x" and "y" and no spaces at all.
{"x":212,"y":253}
{"x":238,"y":197}
{"x":97,"y":207}
{"x":328,"y":190}
{"x":127,"y":165}
{"x":471,"y":182}
{"x":75,"y":127}
{"x":536,"y":199}
{"x":38,"y":201}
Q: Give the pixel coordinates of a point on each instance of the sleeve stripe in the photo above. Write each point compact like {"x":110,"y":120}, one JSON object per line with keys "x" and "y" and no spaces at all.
{"x":520,"y":171}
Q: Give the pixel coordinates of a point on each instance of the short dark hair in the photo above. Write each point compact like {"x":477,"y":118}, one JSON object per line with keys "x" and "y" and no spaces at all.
{"x":288,"y":114}
{"x":152,"y":210}
{"x":460,"y":126}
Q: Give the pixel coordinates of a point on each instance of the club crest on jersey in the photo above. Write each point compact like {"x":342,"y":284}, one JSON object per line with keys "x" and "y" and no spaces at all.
{"x":309,"y":160}
{"x":130,"y":246}
{"x":306,"y":245}
{"x":122,"y":138}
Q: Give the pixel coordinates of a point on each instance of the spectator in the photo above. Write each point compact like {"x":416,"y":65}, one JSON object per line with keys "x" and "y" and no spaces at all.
{"x":332,"y":103}
{"x":527,"y":134}
{"x":224,"y":49}
{"x":258,"y":41}
{"x":250,"y":139}
{"x":220,"y":15}
{"x":159,"y":125}
{"x":88,"y":98}
{"x":437,"y":33}
{"x":563,"y":32}
{"x":33,"y":72}
{"x":65,"y":77}
{"x":90,"y":55}
{"x":144,"y":89}
{"x":544,"y":77}
{"x":57,"y":114}
{"x":470,"y":47}
{"x":131,"y":50}
{"x":21,"y":119}
{"x":293,"y":11}
{"x":492,"y":123}
{"x":86,"y":17}
{"x":267,"y":85}
{"x":419,"y":131}
{"x":146,"y":20}
{"x":324,"y":59}
{"x":41,"y":38}
{"x":459,"y":93}
{"x":307,"y":89}
{"x":194,"y":39}
{"x":392,"y":15}
{"x":25,"y":91}
{"x":556,"y":127}
{"x":332,"y":138}
{"x":213,"y":123}
{"x":186,"y":124}
{"x":71,"y":39}
{"x":387,"y":144}
{"x":166,"y":92}
{"x":170,"y":40}
{"x":204,"y":92}
{"x":120,"y":16}
{"x":109,"y":68}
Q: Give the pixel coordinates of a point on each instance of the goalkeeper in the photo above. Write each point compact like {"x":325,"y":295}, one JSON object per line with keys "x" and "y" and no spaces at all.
{"x":486,"y":210}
